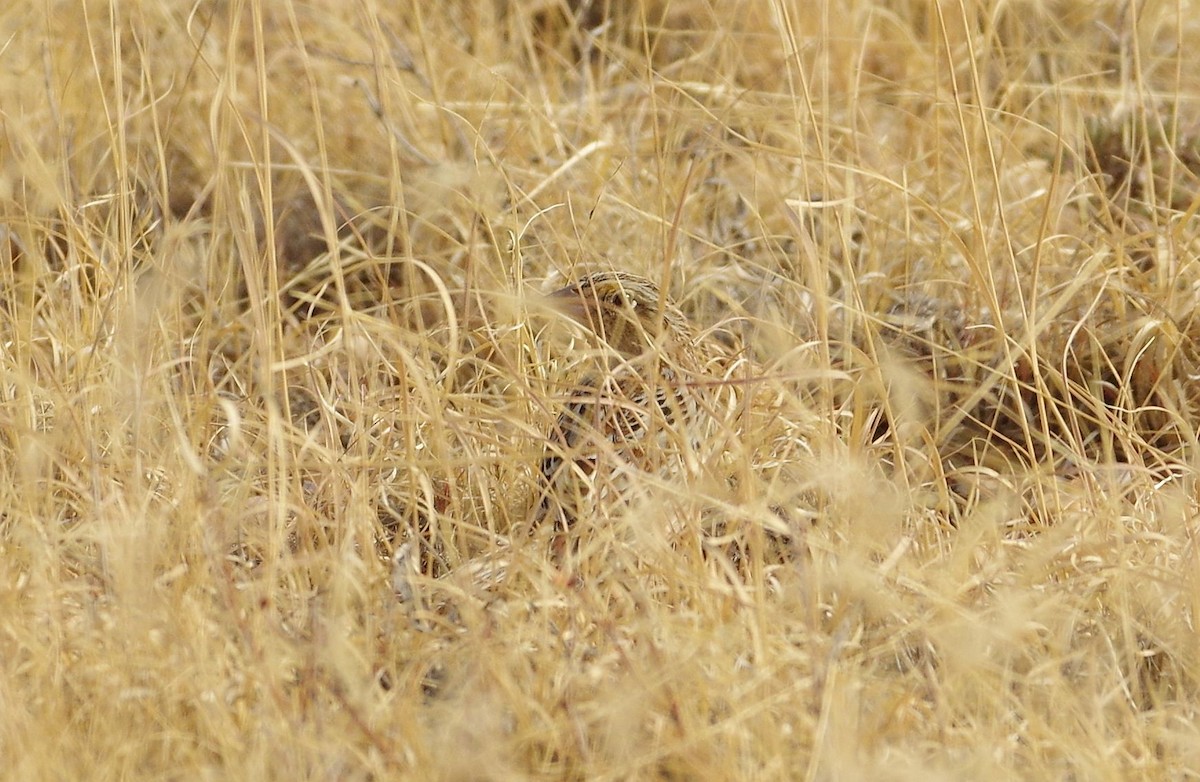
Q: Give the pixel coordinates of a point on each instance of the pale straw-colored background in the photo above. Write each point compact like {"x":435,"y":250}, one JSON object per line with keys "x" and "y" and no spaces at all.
{"x":269,"y":280}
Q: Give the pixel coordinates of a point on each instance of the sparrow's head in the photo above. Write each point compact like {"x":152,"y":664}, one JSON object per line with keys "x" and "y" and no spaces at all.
{"x":624,"y":310}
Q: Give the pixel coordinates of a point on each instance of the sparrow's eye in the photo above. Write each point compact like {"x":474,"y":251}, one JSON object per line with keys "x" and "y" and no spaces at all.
{"x":617,"y":299}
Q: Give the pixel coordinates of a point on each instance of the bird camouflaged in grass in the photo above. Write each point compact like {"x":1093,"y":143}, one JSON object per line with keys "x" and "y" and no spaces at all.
{"x":659,"y":391}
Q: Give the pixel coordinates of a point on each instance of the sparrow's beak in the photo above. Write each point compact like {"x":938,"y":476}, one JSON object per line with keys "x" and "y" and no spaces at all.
{"x":570,"y":302}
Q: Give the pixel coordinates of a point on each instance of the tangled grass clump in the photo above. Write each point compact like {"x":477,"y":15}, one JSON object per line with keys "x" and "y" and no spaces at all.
{"x":277,"y":380}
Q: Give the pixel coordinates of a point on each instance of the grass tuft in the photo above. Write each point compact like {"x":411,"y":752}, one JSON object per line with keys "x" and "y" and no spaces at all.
{"x":275,"y":382}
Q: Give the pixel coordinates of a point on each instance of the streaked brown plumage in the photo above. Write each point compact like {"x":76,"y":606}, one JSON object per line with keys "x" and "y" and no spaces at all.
{"x":644,"y":409}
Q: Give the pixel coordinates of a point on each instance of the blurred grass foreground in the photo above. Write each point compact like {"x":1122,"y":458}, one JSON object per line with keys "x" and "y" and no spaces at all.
{"x":275,"y":385}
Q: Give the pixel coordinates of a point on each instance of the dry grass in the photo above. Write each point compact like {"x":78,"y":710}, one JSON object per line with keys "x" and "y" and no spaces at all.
{"x":269,"y":277}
